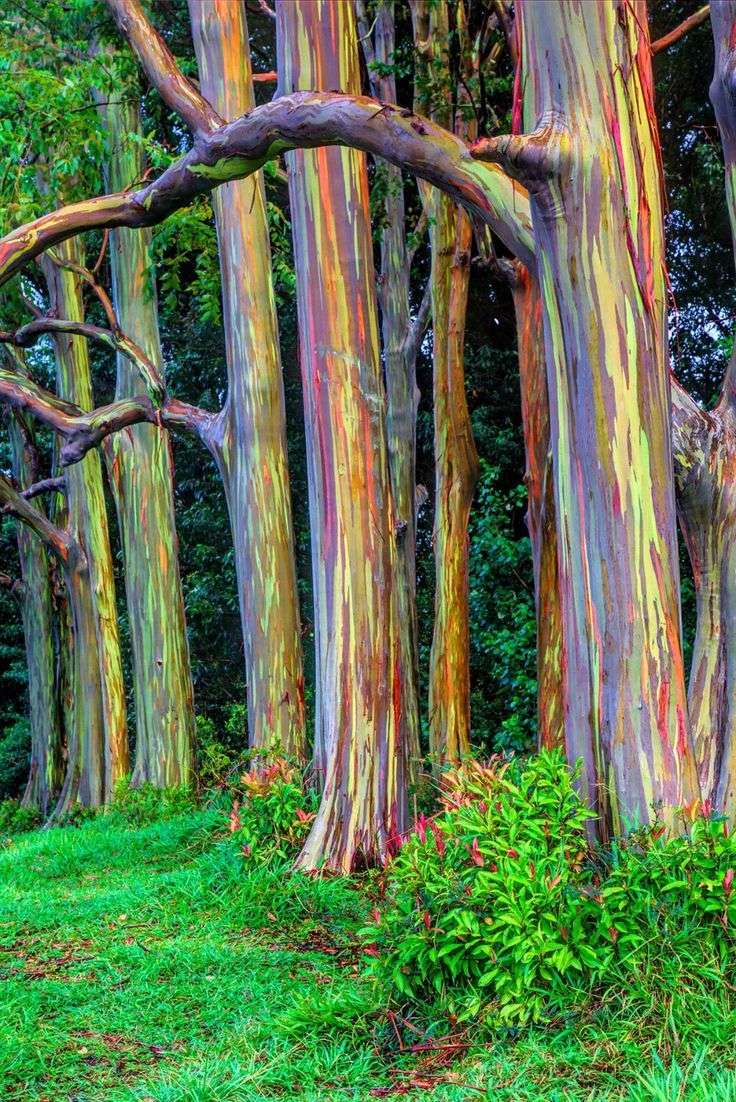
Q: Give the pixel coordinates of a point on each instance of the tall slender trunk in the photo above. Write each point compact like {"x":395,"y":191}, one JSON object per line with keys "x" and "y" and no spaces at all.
{"x":705,"y":467}
{"x":105,"y":751}
{"x":140,"y":468}
{"x":456,"y":460}
{"x":540,"y":515}
{"x":456,"y":473}
{"x":249,"y":442}
{"x":361,"y":739}
{"x":46,"y":767}
{"x":401,"y":335}
{"x":593,"y":170}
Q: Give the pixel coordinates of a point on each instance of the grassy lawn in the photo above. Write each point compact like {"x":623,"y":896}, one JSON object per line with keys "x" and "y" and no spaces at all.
{"x":152,"y":964}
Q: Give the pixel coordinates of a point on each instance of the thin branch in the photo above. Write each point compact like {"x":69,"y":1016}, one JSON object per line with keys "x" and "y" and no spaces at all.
{"x":27,"y":335}
{"x":266,"y":78}
{"x":419,"y":324}
{"x":266,"y":9}
{"x":160,"y":67}
{"x":45,"y":486}
{"x":681,"y":30}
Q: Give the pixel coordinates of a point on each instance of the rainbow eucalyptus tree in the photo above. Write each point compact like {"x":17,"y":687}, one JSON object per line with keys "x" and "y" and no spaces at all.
{"x":401,"y":334}
{"x":361,"y":733}
{"x":576,"y":197}
{"x":456,"y":460}
{"x":105,"y":739}
{"x":139,"y":464}
{"x":37,"y":605}
{"x":248,"y":437}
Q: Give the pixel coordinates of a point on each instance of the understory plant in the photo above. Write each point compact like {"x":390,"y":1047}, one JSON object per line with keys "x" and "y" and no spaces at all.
{"x":498,"y":908}
{"x":272,"y":809}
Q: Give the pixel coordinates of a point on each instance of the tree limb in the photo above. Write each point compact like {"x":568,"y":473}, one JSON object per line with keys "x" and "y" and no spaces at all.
{"x":681,"y":29}
{"x":303,"y":120}
{"x":45,"y":486}
{"x":160,"y":67}
{"x":56,"y":539}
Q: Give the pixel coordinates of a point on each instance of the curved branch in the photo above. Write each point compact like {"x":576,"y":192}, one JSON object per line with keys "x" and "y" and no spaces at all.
{"x":681,"y":29}
{"x":303,"y":120}
{"x":45,"y":486}
{"x":27,"y":335}
{"x":57,"y":540}
{"x":160,"y":67}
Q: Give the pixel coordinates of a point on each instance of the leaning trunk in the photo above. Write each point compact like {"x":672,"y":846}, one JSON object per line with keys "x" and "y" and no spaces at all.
{"x":105,"y":760}
{"x":593,"y":170}
{"x":141,"y":478}
{"x":249,"y":442}
{"x":360,"y":736}
{"x":46,"y":768}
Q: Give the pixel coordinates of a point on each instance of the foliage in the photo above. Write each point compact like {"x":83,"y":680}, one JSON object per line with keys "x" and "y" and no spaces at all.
{"x":147,"y":804}
{"x":15,"y":819}
{"x":151,"y":963}
{"x":273,"y":810}
{"x":496,"y":909}
{"x":15,"y":753}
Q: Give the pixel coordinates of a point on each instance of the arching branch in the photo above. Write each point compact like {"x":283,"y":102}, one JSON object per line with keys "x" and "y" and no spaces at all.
{"x":681,"y":29}
{"x":301,"y":120}
{"x":56,"y":539}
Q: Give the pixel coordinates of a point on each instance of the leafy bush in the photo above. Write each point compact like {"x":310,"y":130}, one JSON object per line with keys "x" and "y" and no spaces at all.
{"x":498,"y":909}
{"x":273,"y":810}
{"x":15,"y":753}
{"x":147,"y":804}
{"x":15,"y":819}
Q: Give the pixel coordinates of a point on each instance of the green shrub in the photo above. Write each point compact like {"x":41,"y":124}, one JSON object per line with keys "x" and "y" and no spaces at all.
{"x":273,"y":810}
{"x":146,"y":804}
{"x":498,"y":909}
{"x":15,"y":819}
{"x":15,"y":755}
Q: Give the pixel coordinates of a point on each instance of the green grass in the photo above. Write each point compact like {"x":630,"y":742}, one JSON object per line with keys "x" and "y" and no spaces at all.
{"x":152,"y":964}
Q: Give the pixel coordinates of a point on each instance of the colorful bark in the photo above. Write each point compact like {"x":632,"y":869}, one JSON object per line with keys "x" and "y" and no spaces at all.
{"x":593,"y":170}
{"x":456,"y":460}
{"x":705,"y":471}
{"x":104,"y":747}
{"x":249,"y":442}
{"x":540,"y":515}
{"x":360,"y":737}
{"x":401,"y":335}
{"x":45,"y":773}
{"x":140,"y":470}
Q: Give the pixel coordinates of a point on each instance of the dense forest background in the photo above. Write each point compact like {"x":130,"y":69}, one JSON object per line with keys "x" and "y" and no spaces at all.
{"x":501,"y":584}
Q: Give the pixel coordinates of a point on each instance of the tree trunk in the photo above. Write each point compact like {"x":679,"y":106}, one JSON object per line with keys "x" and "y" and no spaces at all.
{"x":46,"y":768}
{"x":456,"y":473}
{"x":540,"y":517}
{"x":705,"y":469}
{"x":593,"y":170}
{"x":401,"y":335}
{"x":361,"y":737}
{"x":139,"y":464}
{"x":105,"y":754}
{"x":250,"y":438}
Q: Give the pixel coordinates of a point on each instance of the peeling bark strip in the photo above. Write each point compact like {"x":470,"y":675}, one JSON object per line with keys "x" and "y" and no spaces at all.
{"x":594,"y":155}
{"x":360,"y":736}
{"x":304,"y":120}
{"x":250,"y":441}
{"x":139,"y":465}
{"x":99,"y":695}
{"x":540,"y":516}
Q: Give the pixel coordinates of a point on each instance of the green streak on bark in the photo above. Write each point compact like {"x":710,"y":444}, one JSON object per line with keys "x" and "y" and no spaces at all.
{"x":250,"y":441}
{"x":140,"y":469}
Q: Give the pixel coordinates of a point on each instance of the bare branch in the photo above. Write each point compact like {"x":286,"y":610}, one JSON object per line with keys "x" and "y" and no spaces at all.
{"x":303,"y":120}
{"x":60,"y":542}
{"x":45,"y":486}
{"x":681,"y":29}
{"x":28,"y":334}
{"x":161,"y":68}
